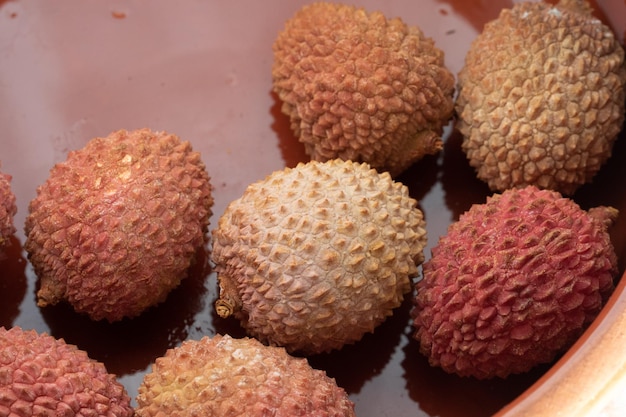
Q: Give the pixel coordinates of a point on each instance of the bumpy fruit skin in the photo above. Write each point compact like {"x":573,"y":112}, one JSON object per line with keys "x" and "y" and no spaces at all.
{"x":541,"y":97}
{"x":8,"y":209}
{"x":361,"y":87}
{"x":314,"y":257}
{"x":513,"y":283}
{"x":116,"y":226}
{"x":44,"y":376}
{"x":222,"y":376}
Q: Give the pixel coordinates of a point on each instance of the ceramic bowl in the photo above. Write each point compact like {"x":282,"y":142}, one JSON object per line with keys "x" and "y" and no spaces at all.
{"x":71,"y":70}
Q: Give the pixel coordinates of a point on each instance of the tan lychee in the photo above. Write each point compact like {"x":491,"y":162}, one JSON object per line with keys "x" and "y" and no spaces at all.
{"x":116,"y":226}
{"x":8,"y":208}
{"x":541,"y":97}
{"x":314,"y":257}
{"x":513,"y":283}
{"x":223,"y":376}
{"x":359,"y":86}
{"x":44,"y":376}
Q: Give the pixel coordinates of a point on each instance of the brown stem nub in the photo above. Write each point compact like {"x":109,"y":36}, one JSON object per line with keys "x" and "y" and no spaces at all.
{"x":604,"y":215}
{"x":229,"y":302}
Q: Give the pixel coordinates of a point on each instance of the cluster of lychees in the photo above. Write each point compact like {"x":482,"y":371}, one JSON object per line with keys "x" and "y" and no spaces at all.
{"x":313,"y":257}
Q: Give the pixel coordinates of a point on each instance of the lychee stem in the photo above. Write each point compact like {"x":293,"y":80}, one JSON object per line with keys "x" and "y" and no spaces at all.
{"x":229,"y":301}
{"x":428,"y":143}
{"x":604,"y":215}
{"x":223,"y":308}
{"x":51,"y":292}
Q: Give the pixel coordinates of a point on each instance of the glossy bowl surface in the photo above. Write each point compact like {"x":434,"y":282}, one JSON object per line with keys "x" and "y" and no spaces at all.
{"x":71,"y":70}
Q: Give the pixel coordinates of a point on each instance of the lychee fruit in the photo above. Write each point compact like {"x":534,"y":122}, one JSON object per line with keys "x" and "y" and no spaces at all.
{"x":513,"y":283}
{"x":117,"y":225}
{"x":541,"y":97}
{"x":223,"y":376}
{"x":358,"y":86}
{"x":8,"y":208}
{"x":43,"y":376}
{"x":313,"y":257}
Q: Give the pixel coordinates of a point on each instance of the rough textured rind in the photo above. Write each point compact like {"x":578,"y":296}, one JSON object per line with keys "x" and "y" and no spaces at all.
{"x":314,"y":257}
{"x":513,"y":283}
{"x":541,"y":97}
{"x":361,"y":87}
{"x":222,"y":376}
{"x":8,"y":208}
{"x":45,"y":377}
{"x":116,"y":226}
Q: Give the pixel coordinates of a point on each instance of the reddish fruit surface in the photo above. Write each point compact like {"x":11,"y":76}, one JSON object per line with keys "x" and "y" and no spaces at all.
{"x":8,"y":209}
{"x":116,"y":226}
{"x":513,"y":283}
{"x":45,"y":377}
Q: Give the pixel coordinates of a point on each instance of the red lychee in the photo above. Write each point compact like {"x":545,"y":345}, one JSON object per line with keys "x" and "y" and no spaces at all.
{"x":513,"y":283}
{"x":43,"y":376}
{"x":8,"y":209}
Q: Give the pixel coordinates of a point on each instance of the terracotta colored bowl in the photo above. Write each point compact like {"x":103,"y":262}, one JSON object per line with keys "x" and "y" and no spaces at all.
{"x":71,"y":70}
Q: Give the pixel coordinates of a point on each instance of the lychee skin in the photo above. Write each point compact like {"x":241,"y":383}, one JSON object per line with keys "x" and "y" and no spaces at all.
{"x":513,"y":283}
{"x":8,"y":208}
{"x":116,"y":226}
{"x":44,"y":376}
{"x":222,"y":376}
{"x":541,"y":97}
{"x":358,"y":86}
{"x":314,"y":257}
